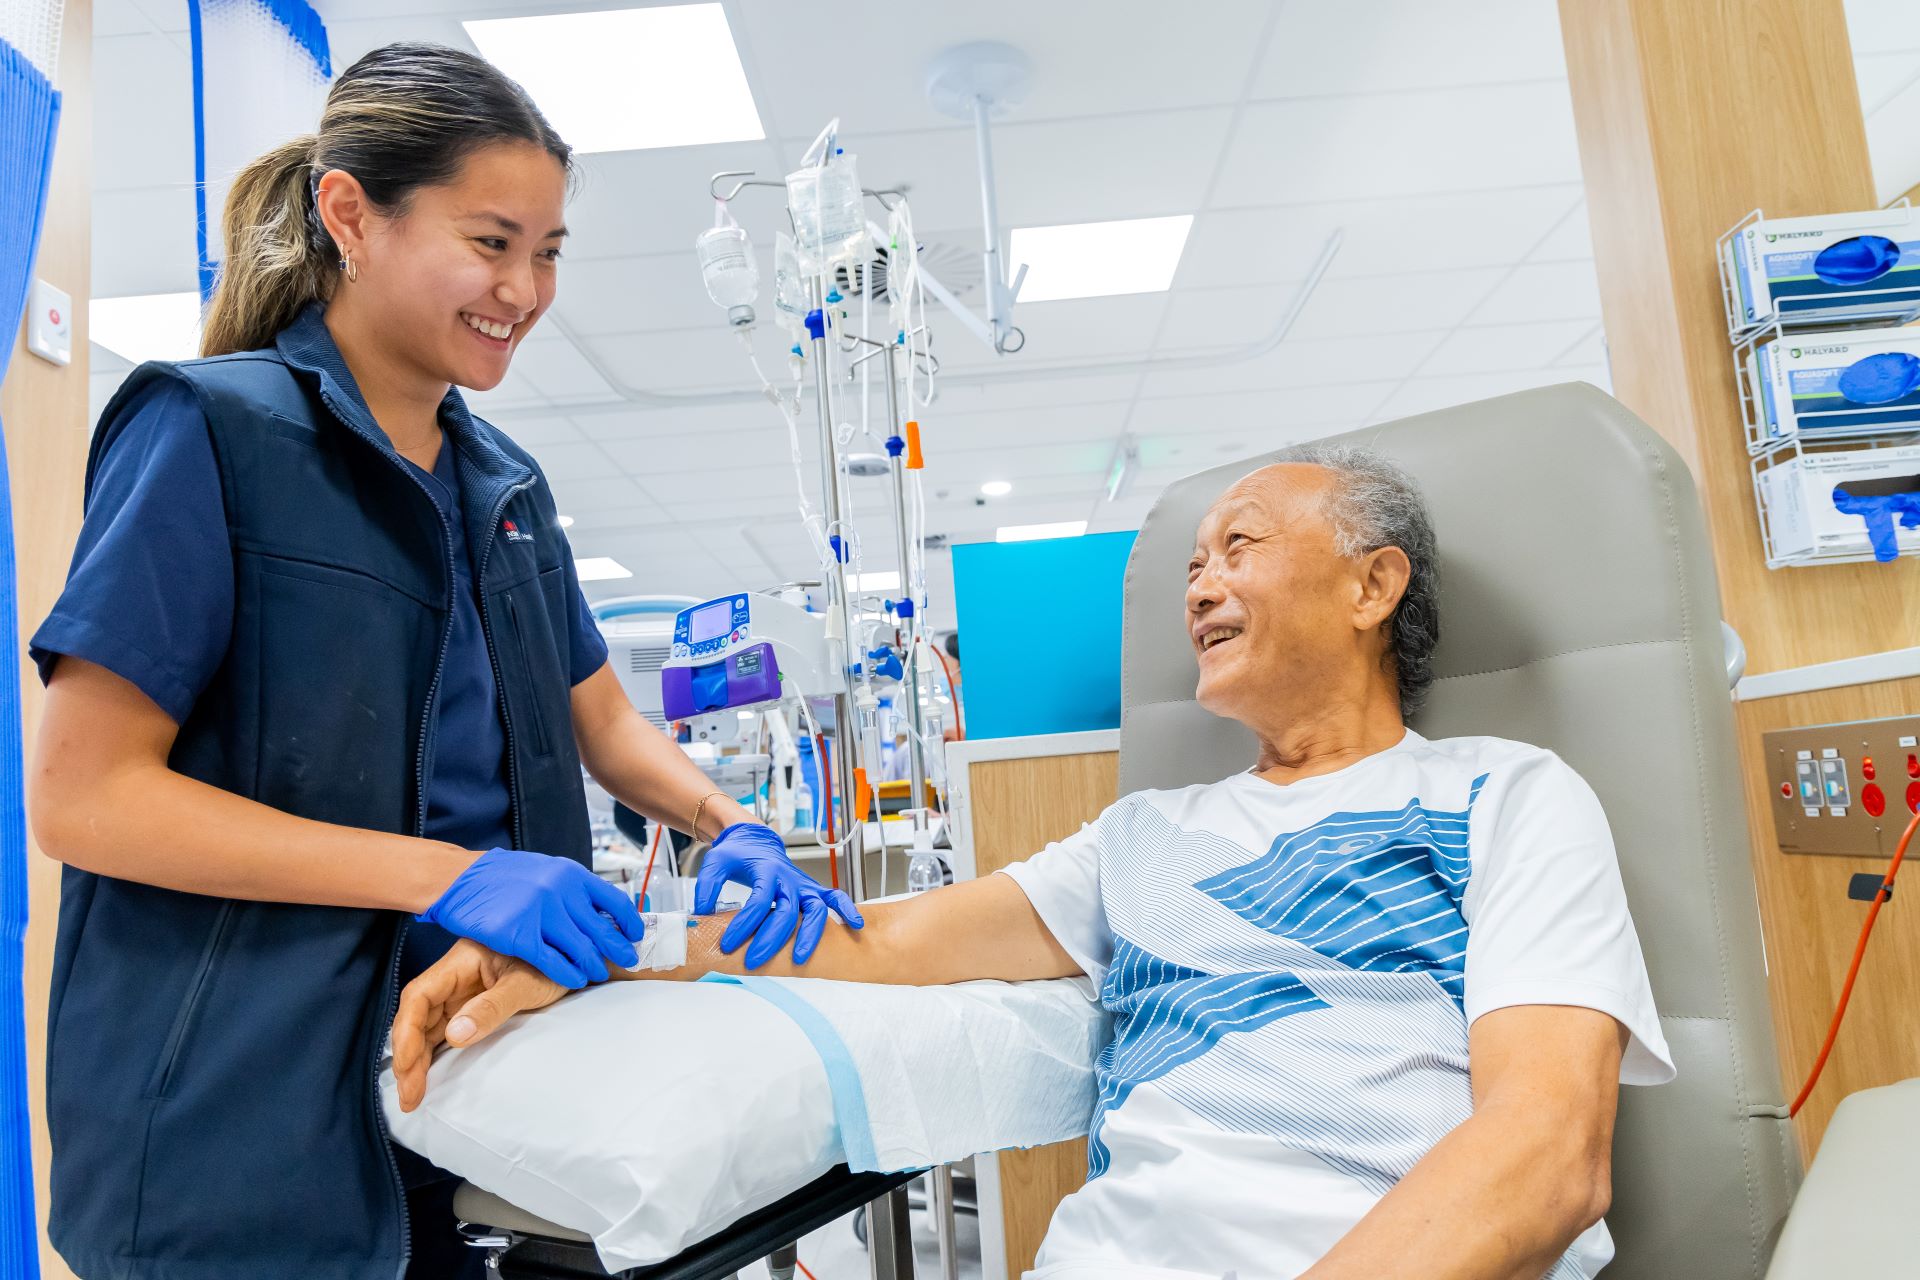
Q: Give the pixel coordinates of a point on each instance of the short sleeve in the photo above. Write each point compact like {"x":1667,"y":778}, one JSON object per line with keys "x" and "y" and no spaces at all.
{"x":1062,"y":882}
{"x":149,"y":594}
{"x":586,"y":647}
{"x":1547,"y":913}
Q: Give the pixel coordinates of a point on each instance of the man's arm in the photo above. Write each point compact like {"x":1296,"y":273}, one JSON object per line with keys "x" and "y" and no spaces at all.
{"x":982,"y":928}
{"x":1504,"y":1194}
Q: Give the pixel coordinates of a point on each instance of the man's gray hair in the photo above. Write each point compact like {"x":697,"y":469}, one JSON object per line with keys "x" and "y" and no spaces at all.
{"x":1376,"y":504}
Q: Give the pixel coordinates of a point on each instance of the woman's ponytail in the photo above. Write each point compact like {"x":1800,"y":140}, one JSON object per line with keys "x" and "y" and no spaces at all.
{"x":278,"y":258}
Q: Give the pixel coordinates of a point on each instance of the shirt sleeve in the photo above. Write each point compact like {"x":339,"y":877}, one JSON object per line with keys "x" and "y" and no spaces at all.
{"x":586,"y":647}
{"x":1062,"y":882}
{"x":1547,"y":914}
{"x":150,"y":592}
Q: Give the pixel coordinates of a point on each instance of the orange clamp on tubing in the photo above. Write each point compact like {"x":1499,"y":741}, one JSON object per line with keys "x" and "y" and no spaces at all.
{"x":915,"y":461}
{"x":862,"y":794}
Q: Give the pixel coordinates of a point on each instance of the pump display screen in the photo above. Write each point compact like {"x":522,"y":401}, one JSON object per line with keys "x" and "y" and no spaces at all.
{"x":714,"y":620}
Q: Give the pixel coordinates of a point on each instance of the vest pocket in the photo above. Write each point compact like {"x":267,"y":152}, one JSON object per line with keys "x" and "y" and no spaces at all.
{"x":530,"y":683}
{"x":183,"y":1022}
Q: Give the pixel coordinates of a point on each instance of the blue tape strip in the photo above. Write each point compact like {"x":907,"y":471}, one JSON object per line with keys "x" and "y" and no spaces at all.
{"x":843,"y":1078}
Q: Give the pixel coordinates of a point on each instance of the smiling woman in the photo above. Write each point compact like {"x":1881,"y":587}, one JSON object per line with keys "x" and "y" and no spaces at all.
{"x":345,"y":722}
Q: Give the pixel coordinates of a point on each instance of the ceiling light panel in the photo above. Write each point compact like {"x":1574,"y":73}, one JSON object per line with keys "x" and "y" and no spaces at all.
{"x":600,"y":569}
{"x":1035,"y":532}
{"x":1099,"y":259}
{"x":628,"y":79}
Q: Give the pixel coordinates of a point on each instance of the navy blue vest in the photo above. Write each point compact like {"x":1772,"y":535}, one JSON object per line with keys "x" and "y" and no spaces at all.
{"x":211,"y":1063}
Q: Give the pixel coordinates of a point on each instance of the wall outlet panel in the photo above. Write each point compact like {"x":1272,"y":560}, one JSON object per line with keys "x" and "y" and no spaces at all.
{"x":1847,"y":789}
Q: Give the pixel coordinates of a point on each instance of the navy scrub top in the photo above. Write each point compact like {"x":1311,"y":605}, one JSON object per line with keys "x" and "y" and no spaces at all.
{"x":150,"y":597}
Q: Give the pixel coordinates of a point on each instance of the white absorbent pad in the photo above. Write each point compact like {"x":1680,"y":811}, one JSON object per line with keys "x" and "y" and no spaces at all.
{"x":652,"y":1114}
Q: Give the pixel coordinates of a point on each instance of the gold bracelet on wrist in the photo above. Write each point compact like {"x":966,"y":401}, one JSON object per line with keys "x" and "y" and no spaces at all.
{"x":693,"y":828}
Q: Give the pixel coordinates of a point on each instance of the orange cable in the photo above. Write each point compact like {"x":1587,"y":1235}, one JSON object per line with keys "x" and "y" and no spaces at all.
{"x":658,"y":831}
{"x":803,"y":1269}
{"x":1853,"y":970}
{"x":826,"y":807}
{"x":959,"y":712}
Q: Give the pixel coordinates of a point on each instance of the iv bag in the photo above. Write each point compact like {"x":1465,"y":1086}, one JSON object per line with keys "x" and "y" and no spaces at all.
{"x":829,"y":220}
{"x":789,"y":286}
{"x":726,"y":261}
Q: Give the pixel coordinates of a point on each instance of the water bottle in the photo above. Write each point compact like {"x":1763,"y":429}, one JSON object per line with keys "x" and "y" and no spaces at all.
{"x":802,"y":806}
{"x":924,"y":873}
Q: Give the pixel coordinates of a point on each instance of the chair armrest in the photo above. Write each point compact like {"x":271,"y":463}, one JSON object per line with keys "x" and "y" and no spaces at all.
{"x":1854,"y":1215}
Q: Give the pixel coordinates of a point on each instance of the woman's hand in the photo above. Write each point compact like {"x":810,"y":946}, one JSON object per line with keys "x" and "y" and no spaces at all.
{"x":782,"y":897}
{"x":551,"y":912}
{"x":460,"y":999}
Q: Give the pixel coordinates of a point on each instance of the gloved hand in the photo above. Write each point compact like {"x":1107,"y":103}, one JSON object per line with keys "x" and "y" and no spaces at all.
{"x":551,"y":912}
{"x":783,"y":897}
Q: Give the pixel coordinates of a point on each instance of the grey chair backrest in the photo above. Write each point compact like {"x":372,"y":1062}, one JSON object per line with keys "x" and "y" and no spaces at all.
{"x":1579,"y":612}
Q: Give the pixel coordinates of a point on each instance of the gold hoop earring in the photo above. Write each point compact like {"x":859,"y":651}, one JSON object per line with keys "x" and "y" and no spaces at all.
{"x":352,"y":268}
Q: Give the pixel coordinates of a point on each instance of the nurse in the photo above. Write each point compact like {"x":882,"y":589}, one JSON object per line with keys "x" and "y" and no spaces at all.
{"x":320,"y":687}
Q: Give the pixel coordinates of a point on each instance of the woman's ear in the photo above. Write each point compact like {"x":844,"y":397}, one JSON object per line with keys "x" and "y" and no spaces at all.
{"x":345,"y":210}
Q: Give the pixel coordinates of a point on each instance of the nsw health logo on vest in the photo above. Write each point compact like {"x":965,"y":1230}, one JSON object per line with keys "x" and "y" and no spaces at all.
{"x":513,"y":533}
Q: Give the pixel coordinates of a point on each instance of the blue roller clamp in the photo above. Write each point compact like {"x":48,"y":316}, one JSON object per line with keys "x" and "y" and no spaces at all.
{"x":29,"y":123}
{"x":1856,"y":261}
{"x":1880,"y":510}
{"x":1881,"y":379}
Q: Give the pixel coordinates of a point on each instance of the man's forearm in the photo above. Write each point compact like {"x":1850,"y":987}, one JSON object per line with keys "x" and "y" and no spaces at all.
{"x":976,"y":929}
{"x":1499,"y":1198}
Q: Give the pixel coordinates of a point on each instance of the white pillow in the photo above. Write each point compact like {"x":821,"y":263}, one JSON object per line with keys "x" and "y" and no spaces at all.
{"x":652,"y":1114}
{"x":646,"y":1114}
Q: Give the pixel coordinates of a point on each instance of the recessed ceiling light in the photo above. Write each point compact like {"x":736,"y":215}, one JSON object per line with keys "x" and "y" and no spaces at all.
{"x":1035,"y":532}
{"x":600,"y":569}
{"x":152,"y":326}
{"x":996,"y":488}
{"x":1099,"y":259}
{"x":566,"y":522}
{"x":885,"y":580}
{"x":628,"y":79}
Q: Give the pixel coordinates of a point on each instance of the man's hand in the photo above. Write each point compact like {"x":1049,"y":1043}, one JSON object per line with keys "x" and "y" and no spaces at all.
{"x":463,"y":997}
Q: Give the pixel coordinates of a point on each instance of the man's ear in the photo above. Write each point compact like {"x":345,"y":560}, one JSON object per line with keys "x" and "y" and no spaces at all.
{"x":1383,"y":581}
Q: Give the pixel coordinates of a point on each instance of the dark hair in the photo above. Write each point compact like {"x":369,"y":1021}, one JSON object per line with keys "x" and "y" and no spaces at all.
{"x":403,"y":117}
{"x":1375,"y":504}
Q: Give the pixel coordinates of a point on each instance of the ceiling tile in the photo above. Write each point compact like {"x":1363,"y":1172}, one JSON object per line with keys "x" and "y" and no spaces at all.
{"x":1423,"y":395}
{"x":578,"y":460}
{"x":606,"y":493}
{"x":554,"y":367}
{"x":1500,"y":347}
{"x":1371,"y":305}
{"x":1384,"y":46}
{"x":1883,"y":75}
{"x":1543,"y":291}
{"x":1571,"y":237}
{"x":537,"y":433}
{"x":1330,"y":407}
{"x":1306,"y":362}
{"x":1893,"y":142}
{"x":1084,"y":62}
{"x":1378,"y":237}
{"x":1590,"y":350}
{"x":1364,"y":147}
{"x":1878,"y":26}
{"x":638,"y":294}
{"x":761,"y":441}
{"x":644,"y":202}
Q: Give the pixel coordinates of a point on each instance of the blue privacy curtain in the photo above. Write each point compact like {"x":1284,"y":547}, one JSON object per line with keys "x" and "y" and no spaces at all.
{"x":260,"y":73}
{"x":29,"y":118}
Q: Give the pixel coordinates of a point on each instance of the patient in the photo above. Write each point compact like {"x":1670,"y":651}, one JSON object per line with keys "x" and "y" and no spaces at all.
{"x":1372,"y":999}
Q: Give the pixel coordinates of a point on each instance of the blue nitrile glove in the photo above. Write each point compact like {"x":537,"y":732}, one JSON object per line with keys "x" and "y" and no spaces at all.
{"x":783,"y":896}
{"x":1880,"y":511}
{"x":551,"y":912}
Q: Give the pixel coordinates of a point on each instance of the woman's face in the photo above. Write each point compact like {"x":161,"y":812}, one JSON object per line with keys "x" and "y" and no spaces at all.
{"x":455,"y":284}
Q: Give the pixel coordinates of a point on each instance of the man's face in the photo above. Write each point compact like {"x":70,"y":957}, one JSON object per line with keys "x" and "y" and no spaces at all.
{"x":1274,"y":612}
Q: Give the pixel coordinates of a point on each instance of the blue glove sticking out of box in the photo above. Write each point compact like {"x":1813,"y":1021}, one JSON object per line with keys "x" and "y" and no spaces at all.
{"x":1880,"y":510}
{"x":1880,"y":379}
{"x":1856,"y":261}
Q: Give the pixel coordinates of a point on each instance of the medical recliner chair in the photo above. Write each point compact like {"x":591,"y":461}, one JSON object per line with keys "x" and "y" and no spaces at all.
{"x":1579,"y":611}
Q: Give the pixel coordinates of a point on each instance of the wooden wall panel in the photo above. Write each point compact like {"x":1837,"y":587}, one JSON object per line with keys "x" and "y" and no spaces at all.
{"x":1019,"y":807}
{"x":44,"y":408}
{"x":1689,"y":114}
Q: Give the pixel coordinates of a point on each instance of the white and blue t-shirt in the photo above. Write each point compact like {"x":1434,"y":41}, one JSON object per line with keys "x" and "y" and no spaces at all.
{"x":1292,"y":971}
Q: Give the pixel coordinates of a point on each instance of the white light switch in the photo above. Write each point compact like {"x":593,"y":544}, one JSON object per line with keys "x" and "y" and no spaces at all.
{"x":50,"y":323}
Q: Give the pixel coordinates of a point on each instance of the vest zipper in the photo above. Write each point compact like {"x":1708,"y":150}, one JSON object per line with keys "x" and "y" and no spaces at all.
{"x":391,"y":1000}
{"x":526,"y":667}
{"x":493,"y":654}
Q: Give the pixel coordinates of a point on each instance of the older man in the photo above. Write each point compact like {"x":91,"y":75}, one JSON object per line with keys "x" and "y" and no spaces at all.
{"x":1372,"y":998}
